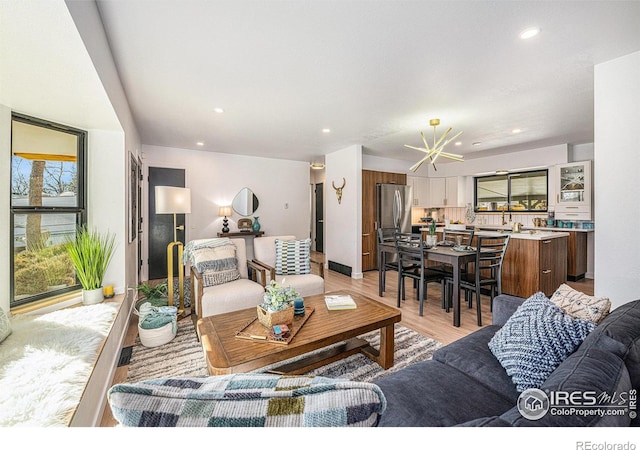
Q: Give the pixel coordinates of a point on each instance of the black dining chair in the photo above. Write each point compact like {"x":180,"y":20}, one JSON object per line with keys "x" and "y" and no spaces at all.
{"x":487,"y":271}
{"x":411,"y":264}
{"x":450,"y":239}
{"x":386,"y":260}
{"x":449,"y":236}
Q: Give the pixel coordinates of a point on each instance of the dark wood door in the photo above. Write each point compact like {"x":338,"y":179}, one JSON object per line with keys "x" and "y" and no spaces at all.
{"x":161,"y":225}
{"x":320,"y":217}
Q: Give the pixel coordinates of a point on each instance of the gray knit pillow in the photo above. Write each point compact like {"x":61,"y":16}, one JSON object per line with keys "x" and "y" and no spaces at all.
{"x":536,"y":339}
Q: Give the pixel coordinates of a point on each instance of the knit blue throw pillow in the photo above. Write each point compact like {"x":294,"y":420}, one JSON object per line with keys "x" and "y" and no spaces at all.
{"x":536,"y":339}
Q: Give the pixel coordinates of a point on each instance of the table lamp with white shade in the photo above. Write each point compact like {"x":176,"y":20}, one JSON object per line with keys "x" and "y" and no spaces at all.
{"x":225,"y":211}
{"x":174,"y":200}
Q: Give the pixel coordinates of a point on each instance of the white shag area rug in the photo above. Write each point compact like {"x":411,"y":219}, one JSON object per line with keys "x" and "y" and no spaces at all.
{"x":46,"y":362}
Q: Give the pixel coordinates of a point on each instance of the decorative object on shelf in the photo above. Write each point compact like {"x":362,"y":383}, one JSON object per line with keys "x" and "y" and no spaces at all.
{"x":90,"y":254}
{"x":245,"y":224}
{"x":108,"y":291}
{"x":225,"y":211}
{"x":432,"y":153}
{"x":256,"y":224}
{"x":174,"y":200}
{"x":339,"y":189}
{"x":470,"y":215}
{"x":278,"y":305}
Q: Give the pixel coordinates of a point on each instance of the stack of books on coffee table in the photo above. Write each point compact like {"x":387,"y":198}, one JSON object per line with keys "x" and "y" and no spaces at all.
{"x":338,"y":302}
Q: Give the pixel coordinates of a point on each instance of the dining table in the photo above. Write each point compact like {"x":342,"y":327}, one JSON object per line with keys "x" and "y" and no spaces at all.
{"x":439,"y":253}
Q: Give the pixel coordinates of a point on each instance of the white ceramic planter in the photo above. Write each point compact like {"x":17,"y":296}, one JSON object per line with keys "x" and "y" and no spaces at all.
{"x":92,"y":296}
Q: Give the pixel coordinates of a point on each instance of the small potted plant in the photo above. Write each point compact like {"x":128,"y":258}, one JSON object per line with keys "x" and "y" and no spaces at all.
{"x":431,"y":237}
{"x":155,"y":294}
{"x":277,"y":306}
{"x":90,"y":253}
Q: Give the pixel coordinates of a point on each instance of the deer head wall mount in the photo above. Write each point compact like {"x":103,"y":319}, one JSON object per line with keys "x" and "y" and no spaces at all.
{"x":339,"y":189}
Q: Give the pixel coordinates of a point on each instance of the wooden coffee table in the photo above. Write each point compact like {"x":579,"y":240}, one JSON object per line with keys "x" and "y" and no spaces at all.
{"x":225,"y":353}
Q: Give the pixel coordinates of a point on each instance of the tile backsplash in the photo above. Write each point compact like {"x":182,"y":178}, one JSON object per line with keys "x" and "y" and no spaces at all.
{"x":526,"y":219}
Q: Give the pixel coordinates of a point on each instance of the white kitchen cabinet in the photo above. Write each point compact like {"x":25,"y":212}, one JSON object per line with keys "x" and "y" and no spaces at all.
{"x":420,"y":190}
{"x":446,"y":192}
{"x":573,"y":191}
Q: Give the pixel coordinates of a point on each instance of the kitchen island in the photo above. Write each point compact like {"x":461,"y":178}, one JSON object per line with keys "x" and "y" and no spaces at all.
{"x":536,"y":260}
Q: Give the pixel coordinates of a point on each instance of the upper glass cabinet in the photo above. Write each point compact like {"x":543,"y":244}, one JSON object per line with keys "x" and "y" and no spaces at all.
{"x":573,"y":191}
{"x":574,"y":183}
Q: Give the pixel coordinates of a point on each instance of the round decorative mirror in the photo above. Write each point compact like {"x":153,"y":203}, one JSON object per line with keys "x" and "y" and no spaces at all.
{"x":245,"y":202}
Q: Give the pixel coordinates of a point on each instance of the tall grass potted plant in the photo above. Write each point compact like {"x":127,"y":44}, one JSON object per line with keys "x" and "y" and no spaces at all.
{"x":91,"y":252}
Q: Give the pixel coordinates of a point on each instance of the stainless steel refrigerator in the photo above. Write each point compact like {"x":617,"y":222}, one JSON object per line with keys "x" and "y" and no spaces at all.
{"x":393,"y":206}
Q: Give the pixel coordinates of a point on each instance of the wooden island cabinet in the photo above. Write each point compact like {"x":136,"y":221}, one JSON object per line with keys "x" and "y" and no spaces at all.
{"x":533,"y":265}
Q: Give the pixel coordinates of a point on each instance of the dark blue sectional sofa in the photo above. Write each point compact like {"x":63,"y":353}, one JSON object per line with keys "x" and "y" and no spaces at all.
{"x":465,"y":384}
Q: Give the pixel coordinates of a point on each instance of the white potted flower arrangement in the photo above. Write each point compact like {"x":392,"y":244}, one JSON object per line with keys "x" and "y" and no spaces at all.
{"x":277,"y":305}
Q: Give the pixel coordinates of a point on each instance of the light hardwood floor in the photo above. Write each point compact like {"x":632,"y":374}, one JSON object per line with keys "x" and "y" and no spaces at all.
{"x":436,"y":323}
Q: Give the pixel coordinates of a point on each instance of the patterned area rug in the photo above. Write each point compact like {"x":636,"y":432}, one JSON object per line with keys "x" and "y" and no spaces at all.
{"x":183,"y":357}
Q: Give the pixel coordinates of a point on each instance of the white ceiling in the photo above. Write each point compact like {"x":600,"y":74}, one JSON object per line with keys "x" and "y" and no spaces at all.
{"x":45,"y":70}
{"x":374,"y":71}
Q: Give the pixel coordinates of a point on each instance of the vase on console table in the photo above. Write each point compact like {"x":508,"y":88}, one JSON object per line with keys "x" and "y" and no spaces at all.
{"x":256,"y":224}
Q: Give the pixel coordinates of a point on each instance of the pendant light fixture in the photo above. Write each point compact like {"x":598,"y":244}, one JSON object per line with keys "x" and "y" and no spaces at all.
{"x":432,"y":153}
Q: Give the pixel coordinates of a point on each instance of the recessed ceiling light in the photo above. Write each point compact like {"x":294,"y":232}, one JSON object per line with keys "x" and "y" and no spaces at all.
{"x":458,"y":143}
{"x":529,"y":33}
{"x":516,"y":130}
{"x":326,"y":130}
{"x":200,"y":144}
{"x":317,"y":166}
{"x":218,"y":110}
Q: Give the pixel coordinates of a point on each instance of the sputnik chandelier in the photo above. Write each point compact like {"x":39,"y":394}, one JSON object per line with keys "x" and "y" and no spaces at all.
{"x":432,"y":153}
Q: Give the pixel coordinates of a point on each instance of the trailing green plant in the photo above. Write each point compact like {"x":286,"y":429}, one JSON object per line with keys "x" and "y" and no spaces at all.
{"x":277,"y":298}
{"x":151,"y":292}
{"x":90,"y":252}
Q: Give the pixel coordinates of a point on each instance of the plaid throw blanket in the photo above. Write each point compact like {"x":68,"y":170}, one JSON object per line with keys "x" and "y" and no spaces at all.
{"x":247,"y":400}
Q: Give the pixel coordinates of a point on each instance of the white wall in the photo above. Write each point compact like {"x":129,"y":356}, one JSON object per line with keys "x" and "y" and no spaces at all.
{"x":380,"y":164}
{"x":106,"y":196}
{"x":5,"y":177}
{"x":343,"y":222}
{"x":282,"y":188}
{"x":617,"y":164}
{"x":89,"y":25}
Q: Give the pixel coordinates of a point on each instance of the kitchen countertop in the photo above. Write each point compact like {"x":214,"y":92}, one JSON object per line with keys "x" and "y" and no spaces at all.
{"x":538,"y":234}
{"x":509,"y":227}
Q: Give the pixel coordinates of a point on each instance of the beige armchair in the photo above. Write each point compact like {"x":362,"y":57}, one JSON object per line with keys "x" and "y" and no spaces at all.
{"x":264,"y":250}
{"x":244,"y":292}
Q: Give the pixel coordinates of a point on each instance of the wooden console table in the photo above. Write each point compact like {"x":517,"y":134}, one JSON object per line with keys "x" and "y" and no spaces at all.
{"x":242,"y":234}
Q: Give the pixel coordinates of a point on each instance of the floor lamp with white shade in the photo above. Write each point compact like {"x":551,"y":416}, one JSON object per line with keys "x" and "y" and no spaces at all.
{"x":174,"y":200}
